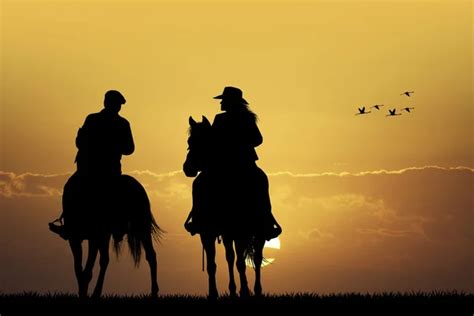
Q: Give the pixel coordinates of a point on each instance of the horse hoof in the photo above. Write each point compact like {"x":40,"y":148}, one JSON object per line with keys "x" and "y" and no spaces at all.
{"x":83,"y":296}
{"x":213,"y":295}
{"x":82,"y":293}
{"x":244,"y":293}
{"x":154,"y":291}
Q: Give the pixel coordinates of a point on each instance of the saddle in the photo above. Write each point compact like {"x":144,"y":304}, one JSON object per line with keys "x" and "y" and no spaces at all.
{"x":88,"y":207}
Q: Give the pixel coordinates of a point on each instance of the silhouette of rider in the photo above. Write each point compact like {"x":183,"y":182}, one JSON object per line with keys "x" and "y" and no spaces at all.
{"x":235,"y":131}
{"x":235,"y":136}
{"x":101,"y":141}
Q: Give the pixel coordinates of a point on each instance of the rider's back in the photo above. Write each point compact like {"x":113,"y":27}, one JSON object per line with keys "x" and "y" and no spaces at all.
{"x":102,"y":141}
{"x":236,"y":136}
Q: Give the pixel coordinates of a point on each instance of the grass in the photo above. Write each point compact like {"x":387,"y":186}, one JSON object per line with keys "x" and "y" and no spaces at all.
{"x":429,"y":303}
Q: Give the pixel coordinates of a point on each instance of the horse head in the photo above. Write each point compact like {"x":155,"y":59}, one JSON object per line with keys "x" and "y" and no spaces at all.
{"x":199,"y":145}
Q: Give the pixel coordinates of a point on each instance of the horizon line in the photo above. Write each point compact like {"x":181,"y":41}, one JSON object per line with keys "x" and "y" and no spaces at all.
{"x":12,"y":174}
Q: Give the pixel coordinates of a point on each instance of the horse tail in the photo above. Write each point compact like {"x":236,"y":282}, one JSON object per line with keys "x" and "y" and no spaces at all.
{"x":263,"y":210}
{"x":254,"y":248}
{"x":249,"y":251}
{"x":142,"y":226}
{"x":139,"y":231}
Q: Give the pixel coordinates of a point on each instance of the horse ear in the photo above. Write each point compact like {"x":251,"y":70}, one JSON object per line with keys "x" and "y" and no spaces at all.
{"x":205,"y":120}
{"x":192,"y":122}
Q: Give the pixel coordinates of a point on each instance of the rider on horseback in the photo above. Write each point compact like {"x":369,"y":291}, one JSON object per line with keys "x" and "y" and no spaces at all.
{"x":236,"y":132}
{"x":103,"y":139}
{"x":235,"y":136}
{"x":101,"y":142}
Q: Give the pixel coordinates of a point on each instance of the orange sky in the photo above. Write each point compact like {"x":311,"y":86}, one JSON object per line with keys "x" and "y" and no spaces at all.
{"x":305,"y":68}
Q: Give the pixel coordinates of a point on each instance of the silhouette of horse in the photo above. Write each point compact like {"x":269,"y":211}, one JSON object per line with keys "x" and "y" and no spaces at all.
{"x":96,"y":212}
{"x":235,"y":208}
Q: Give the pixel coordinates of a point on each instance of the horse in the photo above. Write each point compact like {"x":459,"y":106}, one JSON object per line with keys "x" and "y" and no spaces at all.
{"x":221,"y":209}
{"x":100,"y":210}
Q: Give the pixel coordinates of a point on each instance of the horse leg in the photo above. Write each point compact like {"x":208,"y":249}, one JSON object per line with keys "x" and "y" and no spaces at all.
{"x":258,"y":258}
{"x":76,"y":249}
{"x":240,"y":246}
{"x":209,"y":244}
{"x":230,"y":256}
{"x":87,"y":272}
{"x":103,"y":263}
{"x":150,"y":255}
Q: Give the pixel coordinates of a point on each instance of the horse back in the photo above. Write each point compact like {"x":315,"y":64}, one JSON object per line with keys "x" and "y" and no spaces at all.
{"x":93,"y":205}
{"x":234,"y":204}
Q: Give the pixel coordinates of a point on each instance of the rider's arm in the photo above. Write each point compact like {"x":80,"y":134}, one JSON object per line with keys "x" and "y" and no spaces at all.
{"x":81,"y":137}
{"x":127,"y":146}
{"x":253,"y":136}
{"x":257,"y":136}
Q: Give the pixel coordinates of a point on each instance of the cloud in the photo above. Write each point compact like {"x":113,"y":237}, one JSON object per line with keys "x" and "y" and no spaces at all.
{"x":402,"y":229}
{"x":34,"y":184}
{"x":317,"y":234}
{"x":416,"y":201}
{"x":387,"y":232}
{"x":364,"y":173}
{"x":31,"y":184}
{"x":417,"y":221}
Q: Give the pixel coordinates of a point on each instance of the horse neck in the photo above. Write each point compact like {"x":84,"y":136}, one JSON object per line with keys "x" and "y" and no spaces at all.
{"x":206,"y":156}
{"x":197,"y":161}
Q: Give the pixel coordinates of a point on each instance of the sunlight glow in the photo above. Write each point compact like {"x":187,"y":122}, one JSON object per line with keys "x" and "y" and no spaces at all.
{"x":273,"y":243}
{"x":265,"y":262}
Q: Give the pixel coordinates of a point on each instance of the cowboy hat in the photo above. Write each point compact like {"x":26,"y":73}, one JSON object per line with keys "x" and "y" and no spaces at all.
{"x":232,"y":93}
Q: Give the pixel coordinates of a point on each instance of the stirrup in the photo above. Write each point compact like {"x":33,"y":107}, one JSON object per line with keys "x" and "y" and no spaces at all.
{"x":191,"y":228}
{"x":59,"y":229}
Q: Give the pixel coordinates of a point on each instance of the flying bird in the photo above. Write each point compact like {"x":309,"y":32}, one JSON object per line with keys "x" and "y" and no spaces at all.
{"x":407,"y":93}
{"x":392,"y":112}
{"x":362,"y":111}
{"x":377,"y":106}
{"x":407,"y":109}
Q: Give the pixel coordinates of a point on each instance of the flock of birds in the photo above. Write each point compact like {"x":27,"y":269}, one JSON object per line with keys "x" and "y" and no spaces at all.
{"x":391,"y":112}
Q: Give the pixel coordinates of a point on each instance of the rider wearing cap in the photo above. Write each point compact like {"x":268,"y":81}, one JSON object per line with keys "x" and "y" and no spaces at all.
{"x":103,"y":139}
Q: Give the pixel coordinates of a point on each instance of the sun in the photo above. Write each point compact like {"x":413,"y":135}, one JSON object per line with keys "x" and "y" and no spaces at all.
{"x":274,"y":243}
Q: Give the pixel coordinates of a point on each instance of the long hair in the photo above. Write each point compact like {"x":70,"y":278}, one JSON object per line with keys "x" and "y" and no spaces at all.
{"x":243,"y":108}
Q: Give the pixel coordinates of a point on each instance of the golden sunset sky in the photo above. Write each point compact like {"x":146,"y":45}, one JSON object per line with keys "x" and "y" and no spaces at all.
{"x":364,"y":200}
